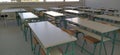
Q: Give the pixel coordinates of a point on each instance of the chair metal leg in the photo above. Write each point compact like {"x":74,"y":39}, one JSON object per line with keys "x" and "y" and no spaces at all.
{"x":38,"y":53}
{"x":31,"y":39}
{"x":5,"y":22}
{"x":73,"y":47}
{"x":83,"y":45}
{"x":113,"y":42}
{"x":105,"y":49}
{"x":67,"y":48}
{"x":34,"y":48}
{"x":94,"y":48}
{"x":25,"y":33}
{"x":76,"y":35}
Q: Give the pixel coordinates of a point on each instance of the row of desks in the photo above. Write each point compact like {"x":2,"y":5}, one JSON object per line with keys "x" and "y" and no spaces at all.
{"x":56,"y":14}
{"x":13,"y":10}
{"x":93,"y":25}
{"x":96,"y":30}
{"x":41,"y":28}
{"x":114,"y":18}
{"x":44,"y":32}
{"x":46,"y":27}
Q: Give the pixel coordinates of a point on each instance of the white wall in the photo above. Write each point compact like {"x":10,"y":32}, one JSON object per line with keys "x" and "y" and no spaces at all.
{"x":103,"y":3}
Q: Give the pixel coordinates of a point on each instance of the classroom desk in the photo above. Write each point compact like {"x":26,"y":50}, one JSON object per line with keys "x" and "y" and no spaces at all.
{"x":25,"y":18}
{"x":93,"y":25}
{"x":75,"y":12}
{"x":114,"y":20}
{"x":73,"y":8}
{"x":59,"y":17}
{"x":50,"y":36}
{"x":112,"y":10}
{"x":39,"y":9}
{"x":97,"y":28}
{"x":39,"y":12}
{"x":14,"y":10}
{"x":27,"y":15}
{"x":94,"y":11}
{"x":83,"y":7}
{"x":55,"y":9}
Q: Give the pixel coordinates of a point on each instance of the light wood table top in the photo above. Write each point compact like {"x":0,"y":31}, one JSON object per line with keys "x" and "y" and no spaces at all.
{"x":27,"y":15}
{"x":114,"y":18}
{"x":40,"y":9}
{"x":55,"y":8}
{"x":92,"y":10}
{"x":13,"y":10}
{"x":74,"y":11}
{"x":53,"y":13}
{"x":50,"y":35}
{"x":70,"y":7}
{"x":102,"y":28}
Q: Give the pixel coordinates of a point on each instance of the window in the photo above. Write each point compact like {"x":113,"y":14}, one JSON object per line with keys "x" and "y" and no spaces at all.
{"x":32,"y":0}
{"x":54,"y":0}
{"x":71,"y":0}
{"x":8,"y":1}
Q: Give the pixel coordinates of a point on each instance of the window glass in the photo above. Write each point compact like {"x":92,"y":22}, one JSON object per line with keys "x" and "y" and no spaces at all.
{"x":71,"y":0}
{"x":32,"y":0}
{"x":54,"y":0}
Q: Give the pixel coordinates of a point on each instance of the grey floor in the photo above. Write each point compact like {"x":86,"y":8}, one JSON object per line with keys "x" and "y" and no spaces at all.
{"x":12,"y":42}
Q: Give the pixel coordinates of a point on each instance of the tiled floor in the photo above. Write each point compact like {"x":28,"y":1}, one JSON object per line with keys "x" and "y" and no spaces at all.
{"x":12,"y":42}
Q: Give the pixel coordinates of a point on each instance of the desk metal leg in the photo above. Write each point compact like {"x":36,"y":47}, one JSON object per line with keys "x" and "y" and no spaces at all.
{"x":113,"y":42}
{"x":17,"y":19}
{"x":101,"y":44}
{"x":73,"y":47}
{"x":65,"y":24}
{"x":31,"y":39}
{"x":72,"y":52}
{"x":5,"y":22}
{"x":67,"y":48}
{"x":48,"y":51}
{"x":39,"y":52}
{"x":25,"y":32}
